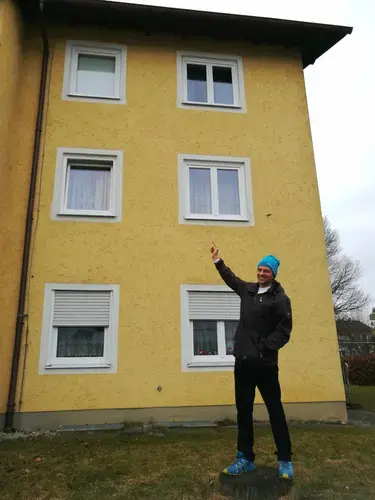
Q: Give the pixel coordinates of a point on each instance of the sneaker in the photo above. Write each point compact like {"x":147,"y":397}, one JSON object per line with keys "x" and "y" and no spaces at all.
{"x":286,"y":470}
{"x":240,"y":465}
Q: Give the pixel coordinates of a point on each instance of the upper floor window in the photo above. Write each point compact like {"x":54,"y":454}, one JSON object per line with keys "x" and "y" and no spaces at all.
{"x":88,"y":185}
{"x":215,"y":190}
{"x":95,"y":72}
{"x":210,"y":81}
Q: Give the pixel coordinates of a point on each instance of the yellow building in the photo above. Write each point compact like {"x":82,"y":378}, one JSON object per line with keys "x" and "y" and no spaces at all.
{"x":131,"y":137}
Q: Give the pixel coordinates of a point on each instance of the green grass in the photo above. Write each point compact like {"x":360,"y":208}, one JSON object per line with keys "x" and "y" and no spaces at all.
{"x":364,"y":396}
{"x":330,"y":463}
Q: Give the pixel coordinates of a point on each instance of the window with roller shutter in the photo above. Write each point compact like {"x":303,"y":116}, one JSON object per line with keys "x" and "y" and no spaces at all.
{"x":80,"y":326}
{"x":209,"y":319}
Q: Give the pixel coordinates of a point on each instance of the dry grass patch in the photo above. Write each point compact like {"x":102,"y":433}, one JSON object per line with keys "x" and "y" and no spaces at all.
{"x":330,"y":463}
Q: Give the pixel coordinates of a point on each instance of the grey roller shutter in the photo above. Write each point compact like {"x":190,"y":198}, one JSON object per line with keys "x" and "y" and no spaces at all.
{"x":214,"y":305}
{"x":81,"y":308}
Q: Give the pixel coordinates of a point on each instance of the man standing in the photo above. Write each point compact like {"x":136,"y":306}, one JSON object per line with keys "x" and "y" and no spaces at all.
{"x":264,"y":327}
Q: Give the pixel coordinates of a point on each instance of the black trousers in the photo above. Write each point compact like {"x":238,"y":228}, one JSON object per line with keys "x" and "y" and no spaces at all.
{"x":247,"y":376}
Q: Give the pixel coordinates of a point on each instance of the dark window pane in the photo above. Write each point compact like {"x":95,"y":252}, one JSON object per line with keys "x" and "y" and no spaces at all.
{"x":205,"y":338}
{"x":230,"y":330}
{"x":80,"y":342}
{"x":197,"y":82}
{"x":223,"y":85}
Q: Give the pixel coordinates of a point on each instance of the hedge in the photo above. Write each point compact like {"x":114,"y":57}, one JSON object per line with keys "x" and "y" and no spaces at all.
{"x":361,"y":369}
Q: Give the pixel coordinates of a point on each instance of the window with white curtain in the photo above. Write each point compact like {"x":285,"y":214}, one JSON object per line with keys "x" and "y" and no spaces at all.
{"x":80,"y":327}
{"x":88,"y":185}
{"x":95,"y":72}
{"x":209,"y":319}
{"x":214,"y":189}
{"x":210,"y":81}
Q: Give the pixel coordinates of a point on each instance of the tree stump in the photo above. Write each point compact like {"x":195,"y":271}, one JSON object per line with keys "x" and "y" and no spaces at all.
{"x":261,"y":484}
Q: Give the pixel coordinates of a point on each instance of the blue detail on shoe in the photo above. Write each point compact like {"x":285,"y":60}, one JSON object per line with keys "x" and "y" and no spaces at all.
{"x":286,"y":470}
{"x":240,"y":465}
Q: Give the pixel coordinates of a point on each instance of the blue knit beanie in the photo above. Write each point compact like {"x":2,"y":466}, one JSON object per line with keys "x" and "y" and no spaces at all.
{"x":271,"y":262}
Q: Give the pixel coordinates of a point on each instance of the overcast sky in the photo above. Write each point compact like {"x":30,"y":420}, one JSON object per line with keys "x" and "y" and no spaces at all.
{"x":341,"y":95}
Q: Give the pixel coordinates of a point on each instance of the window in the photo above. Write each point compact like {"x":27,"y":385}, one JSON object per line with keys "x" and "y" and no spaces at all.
{"x":94,"y":72}
{"x":210,"y":81}
{"x":80,"y":328}
{"x":88,"y":185}
{"x":214,"y":190}
{"x":209,"y":319}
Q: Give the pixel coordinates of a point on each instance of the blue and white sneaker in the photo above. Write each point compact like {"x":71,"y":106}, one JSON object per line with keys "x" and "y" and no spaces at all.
{"x":286,"y":470}
{"x":240,"y":465}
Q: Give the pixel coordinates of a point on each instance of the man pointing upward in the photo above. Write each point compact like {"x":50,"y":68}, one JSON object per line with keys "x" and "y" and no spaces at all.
{"x":264,"y":327}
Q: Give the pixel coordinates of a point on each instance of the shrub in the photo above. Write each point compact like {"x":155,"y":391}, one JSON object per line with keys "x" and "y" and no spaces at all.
{"x":361,"y":369}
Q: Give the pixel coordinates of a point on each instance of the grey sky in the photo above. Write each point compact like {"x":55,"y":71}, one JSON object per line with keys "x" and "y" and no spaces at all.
{"x":340,"y":89}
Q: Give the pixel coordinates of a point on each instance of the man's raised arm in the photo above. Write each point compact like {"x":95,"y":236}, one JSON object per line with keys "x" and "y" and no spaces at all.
{"x":235,"y":283}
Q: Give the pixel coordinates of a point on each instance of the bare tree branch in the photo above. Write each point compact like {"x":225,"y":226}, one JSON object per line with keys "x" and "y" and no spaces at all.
{"x":348,"y":298}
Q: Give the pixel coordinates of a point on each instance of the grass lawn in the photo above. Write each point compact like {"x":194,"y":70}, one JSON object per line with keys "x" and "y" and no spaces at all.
{"x":363,"y":395}
{"x":330,"y":463}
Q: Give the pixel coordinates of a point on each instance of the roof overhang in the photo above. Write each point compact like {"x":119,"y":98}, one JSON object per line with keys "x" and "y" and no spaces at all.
{"x":311,"y":39}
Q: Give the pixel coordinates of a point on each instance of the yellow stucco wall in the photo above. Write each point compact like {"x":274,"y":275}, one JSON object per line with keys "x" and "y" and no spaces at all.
{"x":149,"y":254}
{"x":10,"y":60}
{"x":10,"y":70}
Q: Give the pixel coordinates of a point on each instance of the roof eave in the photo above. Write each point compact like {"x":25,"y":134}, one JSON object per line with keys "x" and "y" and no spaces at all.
{"x":311,"y":39}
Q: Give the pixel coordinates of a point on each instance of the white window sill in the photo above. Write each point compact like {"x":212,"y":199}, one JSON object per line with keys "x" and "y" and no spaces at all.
{"x":81,"y":213}
{"x":87,"y":96}
{"x":219,"y":218}
{"x":210,"y":105}
{"x":210,"y":364}
{"x":75,"y":366}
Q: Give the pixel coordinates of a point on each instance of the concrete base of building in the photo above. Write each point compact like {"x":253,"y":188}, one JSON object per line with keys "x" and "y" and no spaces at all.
{"x":325,"y":411}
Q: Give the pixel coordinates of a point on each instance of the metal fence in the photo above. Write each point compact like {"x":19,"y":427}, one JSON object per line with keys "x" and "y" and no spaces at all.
{"x":346,"y":378}
{"x":356,"y":348}
{"x":353,"y":349}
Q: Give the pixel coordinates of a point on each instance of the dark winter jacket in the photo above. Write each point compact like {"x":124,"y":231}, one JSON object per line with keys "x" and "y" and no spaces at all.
{"x":265,"y":319}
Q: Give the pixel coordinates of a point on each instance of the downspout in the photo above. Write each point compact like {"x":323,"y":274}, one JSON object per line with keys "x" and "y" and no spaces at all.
{"x":9,"y":417}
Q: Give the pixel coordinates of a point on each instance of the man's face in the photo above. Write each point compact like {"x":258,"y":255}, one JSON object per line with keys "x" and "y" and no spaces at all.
{"x":265,"y":276}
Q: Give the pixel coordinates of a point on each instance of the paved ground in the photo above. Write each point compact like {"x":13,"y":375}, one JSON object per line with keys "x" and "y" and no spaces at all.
{"x":361,"y":418}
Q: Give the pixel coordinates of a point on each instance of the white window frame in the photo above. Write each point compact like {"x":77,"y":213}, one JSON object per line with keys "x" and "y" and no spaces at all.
{"x":59,"y":209}
{"x":186,"y":161}
{"x":232,"y":61}
{"x":73,"y":50}
{"x":48,"y":361}
{"x":190,"y":362}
